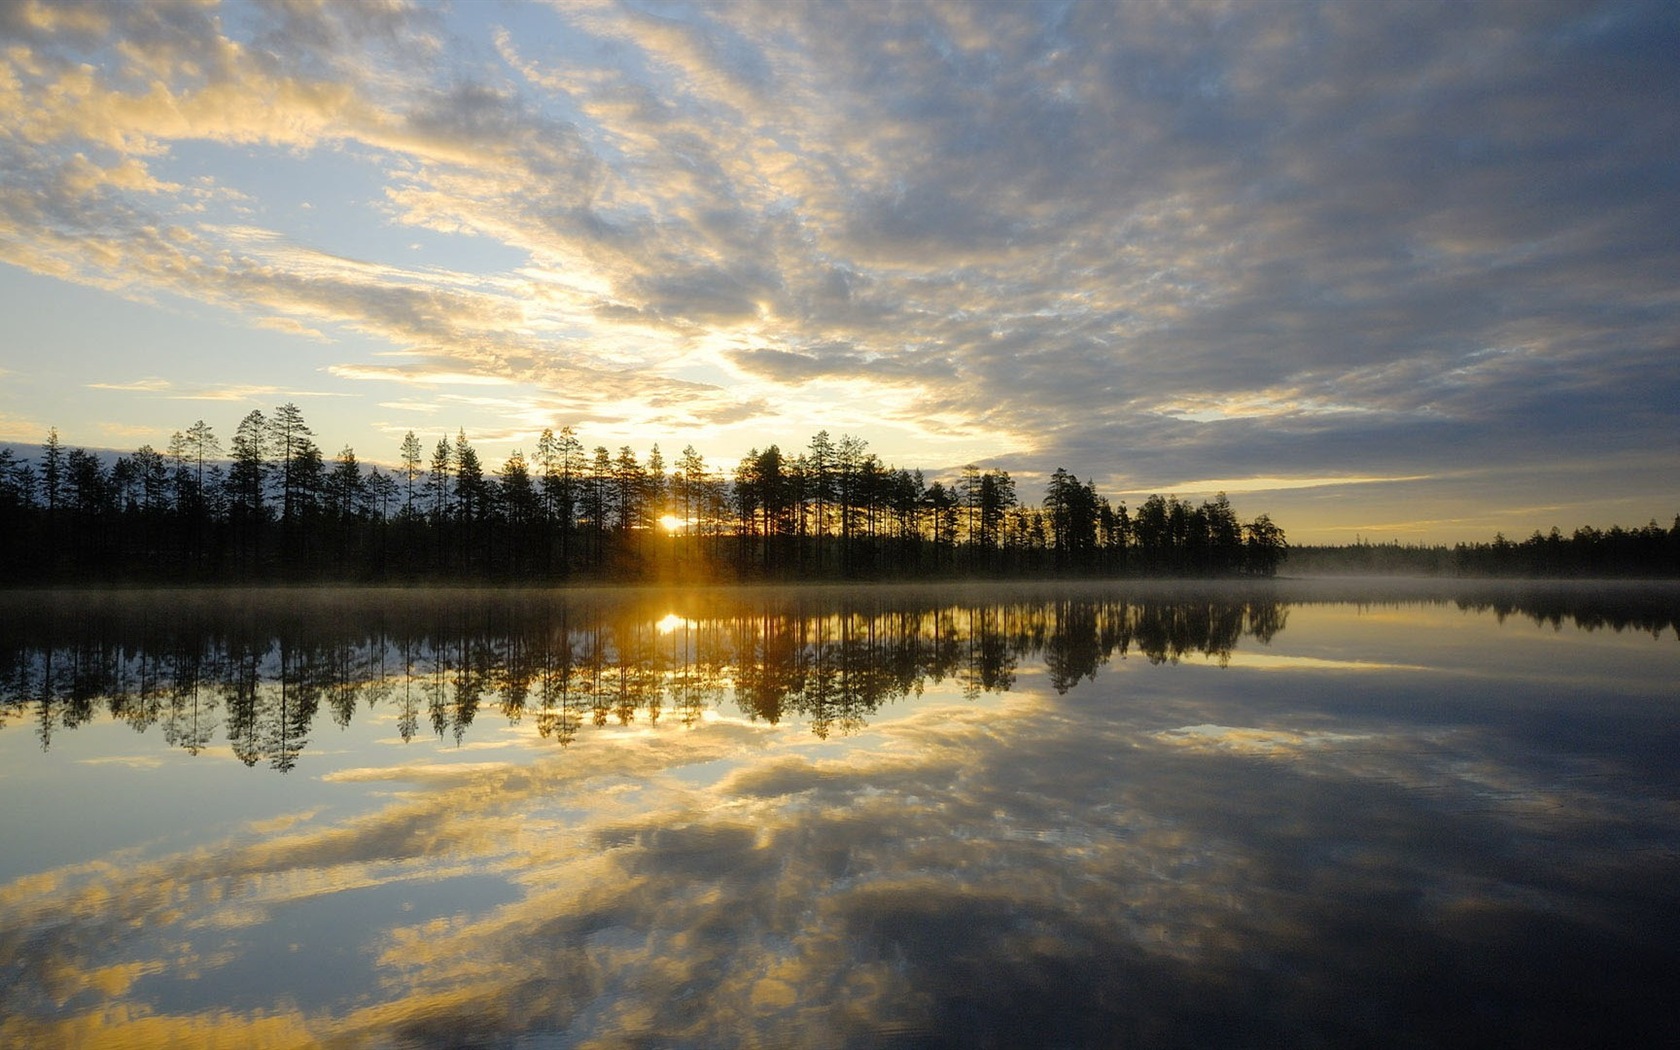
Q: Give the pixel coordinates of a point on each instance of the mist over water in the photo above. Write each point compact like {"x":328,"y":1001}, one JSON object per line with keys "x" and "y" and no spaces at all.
{"x":1264,"y":814}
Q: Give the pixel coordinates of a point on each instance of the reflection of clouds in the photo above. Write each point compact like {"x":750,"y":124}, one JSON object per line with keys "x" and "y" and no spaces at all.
{"x":136,"y":762}
{"x":283,"y":822}
{"x":283,"y":1027}
{"x":1440,"y":766}
{"x":956,"y":875}
{"x":639,"y":894}
{"x":1290,"y":662}
{"x":1253,"y":741}
{"x":428,"y":774}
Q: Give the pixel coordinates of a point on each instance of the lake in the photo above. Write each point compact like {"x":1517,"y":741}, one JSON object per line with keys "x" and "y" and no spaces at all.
{"x":1285,"y":813}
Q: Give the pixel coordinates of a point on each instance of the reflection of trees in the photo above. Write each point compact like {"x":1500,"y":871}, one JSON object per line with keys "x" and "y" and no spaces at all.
{"x":408,"y":712}
{"x":259,"y":670}
{"x":283,"y":715}
{"x":191,"y":721}
{"x":1655,"y":613}
{"x":560,"y":716}
{"x":239,"y":696}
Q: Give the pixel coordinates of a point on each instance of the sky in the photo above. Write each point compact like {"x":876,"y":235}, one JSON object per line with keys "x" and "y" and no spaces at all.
{"x":1402,"y":271}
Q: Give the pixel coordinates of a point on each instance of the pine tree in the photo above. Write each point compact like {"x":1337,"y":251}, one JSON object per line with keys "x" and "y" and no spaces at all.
{"x":410,"y":452}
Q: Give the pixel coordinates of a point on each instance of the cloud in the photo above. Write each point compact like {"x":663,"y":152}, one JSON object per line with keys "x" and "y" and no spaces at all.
{"x":419,"y":375}
{"x":20,"y":428}
{"x":149,"y":385}
{"x":1147,"y":243}
{"x":179,"y":391}
{"x":792,"y":368}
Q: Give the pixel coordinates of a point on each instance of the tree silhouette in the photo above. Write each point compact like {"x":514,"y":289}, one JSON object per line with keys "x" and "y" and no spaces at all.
{"x":473,"y":506}
{"x":836,"y":510}
{"x":410,"y":452}
{"x":521,"y":510}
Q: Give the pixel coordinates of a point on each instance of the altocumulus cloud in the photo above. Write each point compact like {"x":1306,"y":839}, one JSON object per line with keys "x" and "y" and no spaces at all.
{"x":1154,"y":244}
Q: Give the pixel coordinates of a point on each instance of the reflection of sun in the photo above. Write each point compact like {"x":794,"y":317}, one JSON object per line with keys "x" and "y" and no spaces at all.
{"x":670,"y":623}
{"x":670,"y":522}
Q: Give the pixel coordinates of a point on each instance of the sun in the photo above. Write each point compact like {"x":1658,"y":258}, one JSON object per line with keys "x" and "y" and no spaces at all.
{"x":671,"y":523}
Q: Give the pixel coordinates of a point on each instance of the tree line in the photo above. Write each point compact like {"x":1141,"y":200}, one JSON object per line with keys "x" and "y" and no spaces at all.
{"x":269,"y":505}
{"x":1647,"y":551}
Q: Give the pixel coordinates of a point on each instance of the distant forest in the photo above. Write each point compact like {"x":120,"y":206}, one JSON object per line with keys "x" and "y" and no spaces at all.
{"x":269,"y":506}
{"x":1649,"y":551}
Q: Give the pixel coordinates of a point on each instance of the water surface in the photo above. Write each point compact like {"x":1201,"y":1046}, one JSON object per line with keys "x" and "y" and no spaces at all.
{"x":1274,"y":814}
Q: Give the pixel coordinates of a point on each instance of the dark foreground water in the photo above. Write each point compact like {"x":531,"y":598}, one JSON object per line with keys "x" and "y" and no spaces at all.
{"x":1338,"y":814}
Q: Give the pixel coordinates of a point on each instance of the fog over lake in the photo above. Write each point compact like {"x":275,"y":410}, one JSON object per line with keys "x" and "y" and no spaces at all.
{"x":1286,"y":813}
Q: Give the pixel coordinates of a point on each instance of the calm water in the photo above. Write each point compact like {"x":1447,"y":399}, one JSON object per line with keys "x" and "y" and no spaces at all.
{"x":1293,"y":814}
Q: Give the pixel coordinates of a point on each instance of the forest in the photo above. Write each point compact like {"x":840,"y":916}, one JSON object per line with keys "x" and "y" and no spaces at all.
{"x":269,"y":506}
{"x":1648,"y":551}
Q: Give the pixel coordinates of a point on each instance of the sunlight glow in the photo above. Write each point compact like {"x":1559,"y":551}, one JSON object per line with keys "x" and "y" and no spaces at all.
{"x":669,"y":623}
{"x":671,"y":523}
